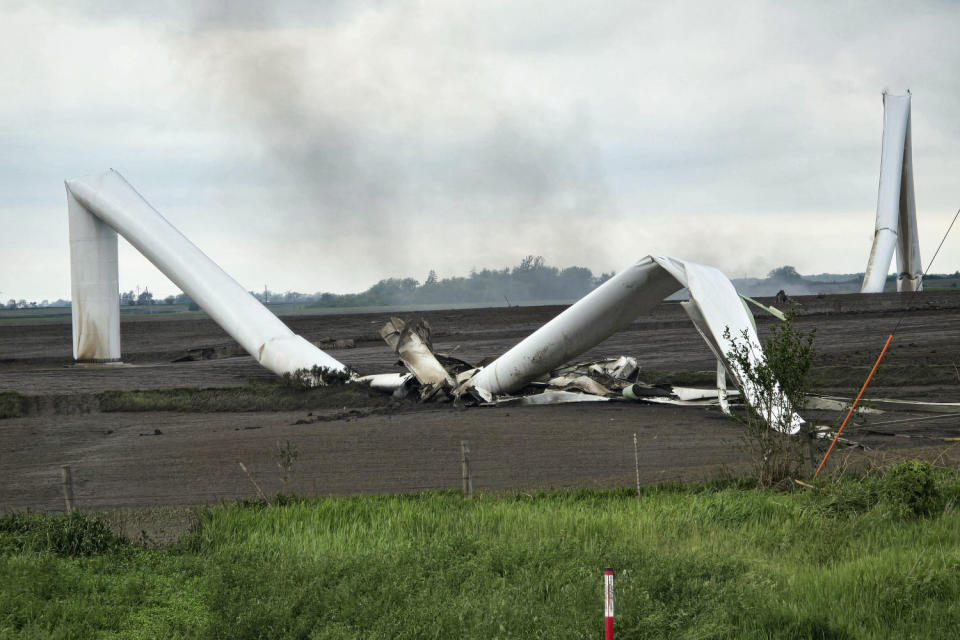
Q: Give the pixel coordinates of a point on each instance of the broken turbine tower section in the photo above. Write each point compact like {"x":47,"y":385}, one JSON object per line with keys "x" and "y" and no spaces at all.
{"x":714,"y":307}
{"x":412,"y":343}
{"x":722,"y":318}
{"x":896,"y":226}
{"x":100,"y":207}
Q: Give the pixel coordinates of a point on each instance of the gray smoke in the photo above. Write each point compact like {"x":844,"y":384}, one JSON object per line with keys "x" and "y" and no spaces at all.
{"x":354,"y":145}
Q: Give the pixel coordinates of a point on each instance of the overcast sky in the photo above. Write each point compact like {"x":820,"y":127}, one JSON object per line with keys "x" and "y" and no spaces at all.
{"x":322,"y":149}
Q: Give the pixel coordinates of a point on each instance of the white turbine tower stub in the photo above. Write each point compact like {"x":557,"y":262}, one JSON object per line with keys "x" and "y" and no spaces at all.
{"x":94,"y":285}
{"x":896,"y":226}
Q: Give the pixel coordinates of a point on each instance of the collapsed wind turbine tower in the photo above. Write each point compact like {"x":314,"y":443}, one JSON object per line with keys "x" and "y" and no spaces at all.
{"x":99,"y":207}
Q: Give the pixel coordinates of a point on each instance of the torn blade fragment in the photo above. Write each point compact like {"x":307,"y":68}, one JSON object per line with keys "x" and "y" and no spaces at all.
{"x":412,"y":343}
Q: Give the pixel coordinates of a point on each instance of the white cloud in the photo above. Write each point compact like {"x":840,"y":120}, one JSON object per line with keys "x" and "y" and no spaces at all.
{"x":285,"y":141}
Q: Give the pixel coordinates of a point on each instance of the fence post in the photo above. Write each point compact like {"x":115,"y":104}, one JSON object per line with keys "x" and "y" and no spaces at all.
{"x":465,"y":468}
{"x":807,"y":430}
{"x":608,"y":603}
{"x":67,"y":480}
{"x":636,"y":463}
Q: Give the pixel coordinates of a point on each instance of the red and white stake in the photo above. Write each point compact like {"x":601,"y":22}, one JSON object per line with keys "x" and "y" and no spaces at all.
{"x":608,"y":604}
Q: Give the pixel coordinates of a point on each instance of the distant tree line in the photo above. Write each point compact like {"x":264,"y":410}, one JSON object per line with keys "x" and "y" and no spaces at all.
{"x":23,"y":304}
{"x":530,"y":281}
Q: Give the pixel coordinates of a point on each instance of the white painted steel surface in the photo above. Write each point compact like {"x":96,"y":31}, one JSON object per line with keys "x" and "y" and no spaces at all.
{"x":896,"y":224}
{"x":386,"y":382}
{"x":114,"y":204}
{"x":726,"y":315}
{"x":94,"y":285}
{"x":602,"y":312}
{"x":617,"y":302}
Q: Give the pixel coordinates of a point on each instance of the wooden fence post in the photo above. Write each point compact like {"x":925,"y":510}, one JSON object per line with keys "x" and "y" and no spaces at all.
{"x":465,"y":468}
{"x":636,"y":463}
{"x":811,"y":444}
{"x":67,"y":480}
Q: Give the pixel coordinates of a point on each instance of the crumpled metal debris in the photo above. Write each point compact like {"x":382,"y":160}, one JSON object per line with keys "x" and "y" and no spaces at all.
{"x":776,"y":313}
{"x":413,"y":344}
{"x":397,"y":384}
{"x":614,"y":373}
{"x":555,"y":397}
{"x":580,"y":383}
{"x":878,"y":405}
{"x":715,"y":308}
{"x":689,"y":393}
{"x":681,"y":396}
{"x":591,"y":381}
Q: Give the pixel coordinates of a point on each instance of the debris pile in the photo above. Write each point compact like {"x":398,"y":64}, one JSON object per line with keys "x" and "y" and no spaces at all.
{"x":440,"y":377}
{"x":538,"y":370}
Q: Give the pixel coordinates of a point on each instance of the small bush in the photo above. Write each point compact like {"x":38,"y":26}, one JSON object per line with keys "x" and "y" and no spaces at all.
{"x":286,"y":454}
{"x":12,"y":405}
{"x":779,"y":374}
{"x":63,"y":535}
{"x":910,"y":490}
{"x":306,"y":379}
{"x":950,"y":490}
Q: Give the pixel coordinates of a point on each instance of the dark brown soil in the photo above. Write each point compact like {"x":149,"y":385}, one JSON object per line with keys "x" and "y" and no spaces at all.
{"x":118,"y":460}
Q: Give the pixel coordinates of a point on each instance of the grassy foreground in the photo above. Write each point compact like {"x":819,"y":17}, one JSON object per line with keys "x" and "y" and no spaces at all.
{"x":855,"y":559}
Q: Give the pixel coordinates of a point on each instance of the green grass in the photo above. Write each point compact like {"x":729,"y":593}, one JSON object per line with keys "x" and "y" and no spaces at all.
{"x":267,"y":397}
{"x":722,"y":561}
{"x":258,"y":397}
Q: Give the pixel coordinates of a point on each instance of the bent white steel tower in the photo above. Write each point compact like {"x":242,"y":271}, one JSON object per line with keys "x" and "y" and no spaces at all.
{"x":101,"y":206}
{"x":896,"y":227}
{"x":718,"y":313}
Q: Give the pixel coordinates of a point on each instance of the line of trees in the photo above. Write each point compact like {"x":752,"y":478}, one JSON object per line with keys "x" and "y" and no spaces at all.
{"x":33,"y":304}
{"x":530,"y":281}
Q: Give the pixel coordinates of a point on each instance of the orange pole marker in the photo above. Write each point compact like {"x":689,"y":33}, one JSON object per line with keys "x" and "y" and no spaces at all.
{"x":853,"y":406}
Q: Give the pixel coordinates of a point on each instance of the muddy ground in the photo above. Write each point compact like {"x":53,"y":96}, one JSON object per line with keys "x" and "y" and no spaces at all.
{"x":158,"y":458}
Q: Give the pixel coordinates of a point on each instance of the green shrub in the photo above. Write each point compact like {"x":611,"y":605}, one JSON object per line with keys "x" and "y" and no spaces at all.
{"x":307,"y":379}
{"x":847,"y":497}
{"x":12,"y":405}
{"x":950,"y":490}
{"x":910,"y":489}
{"x":67,"y":535}
{"x":780,"y":382}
